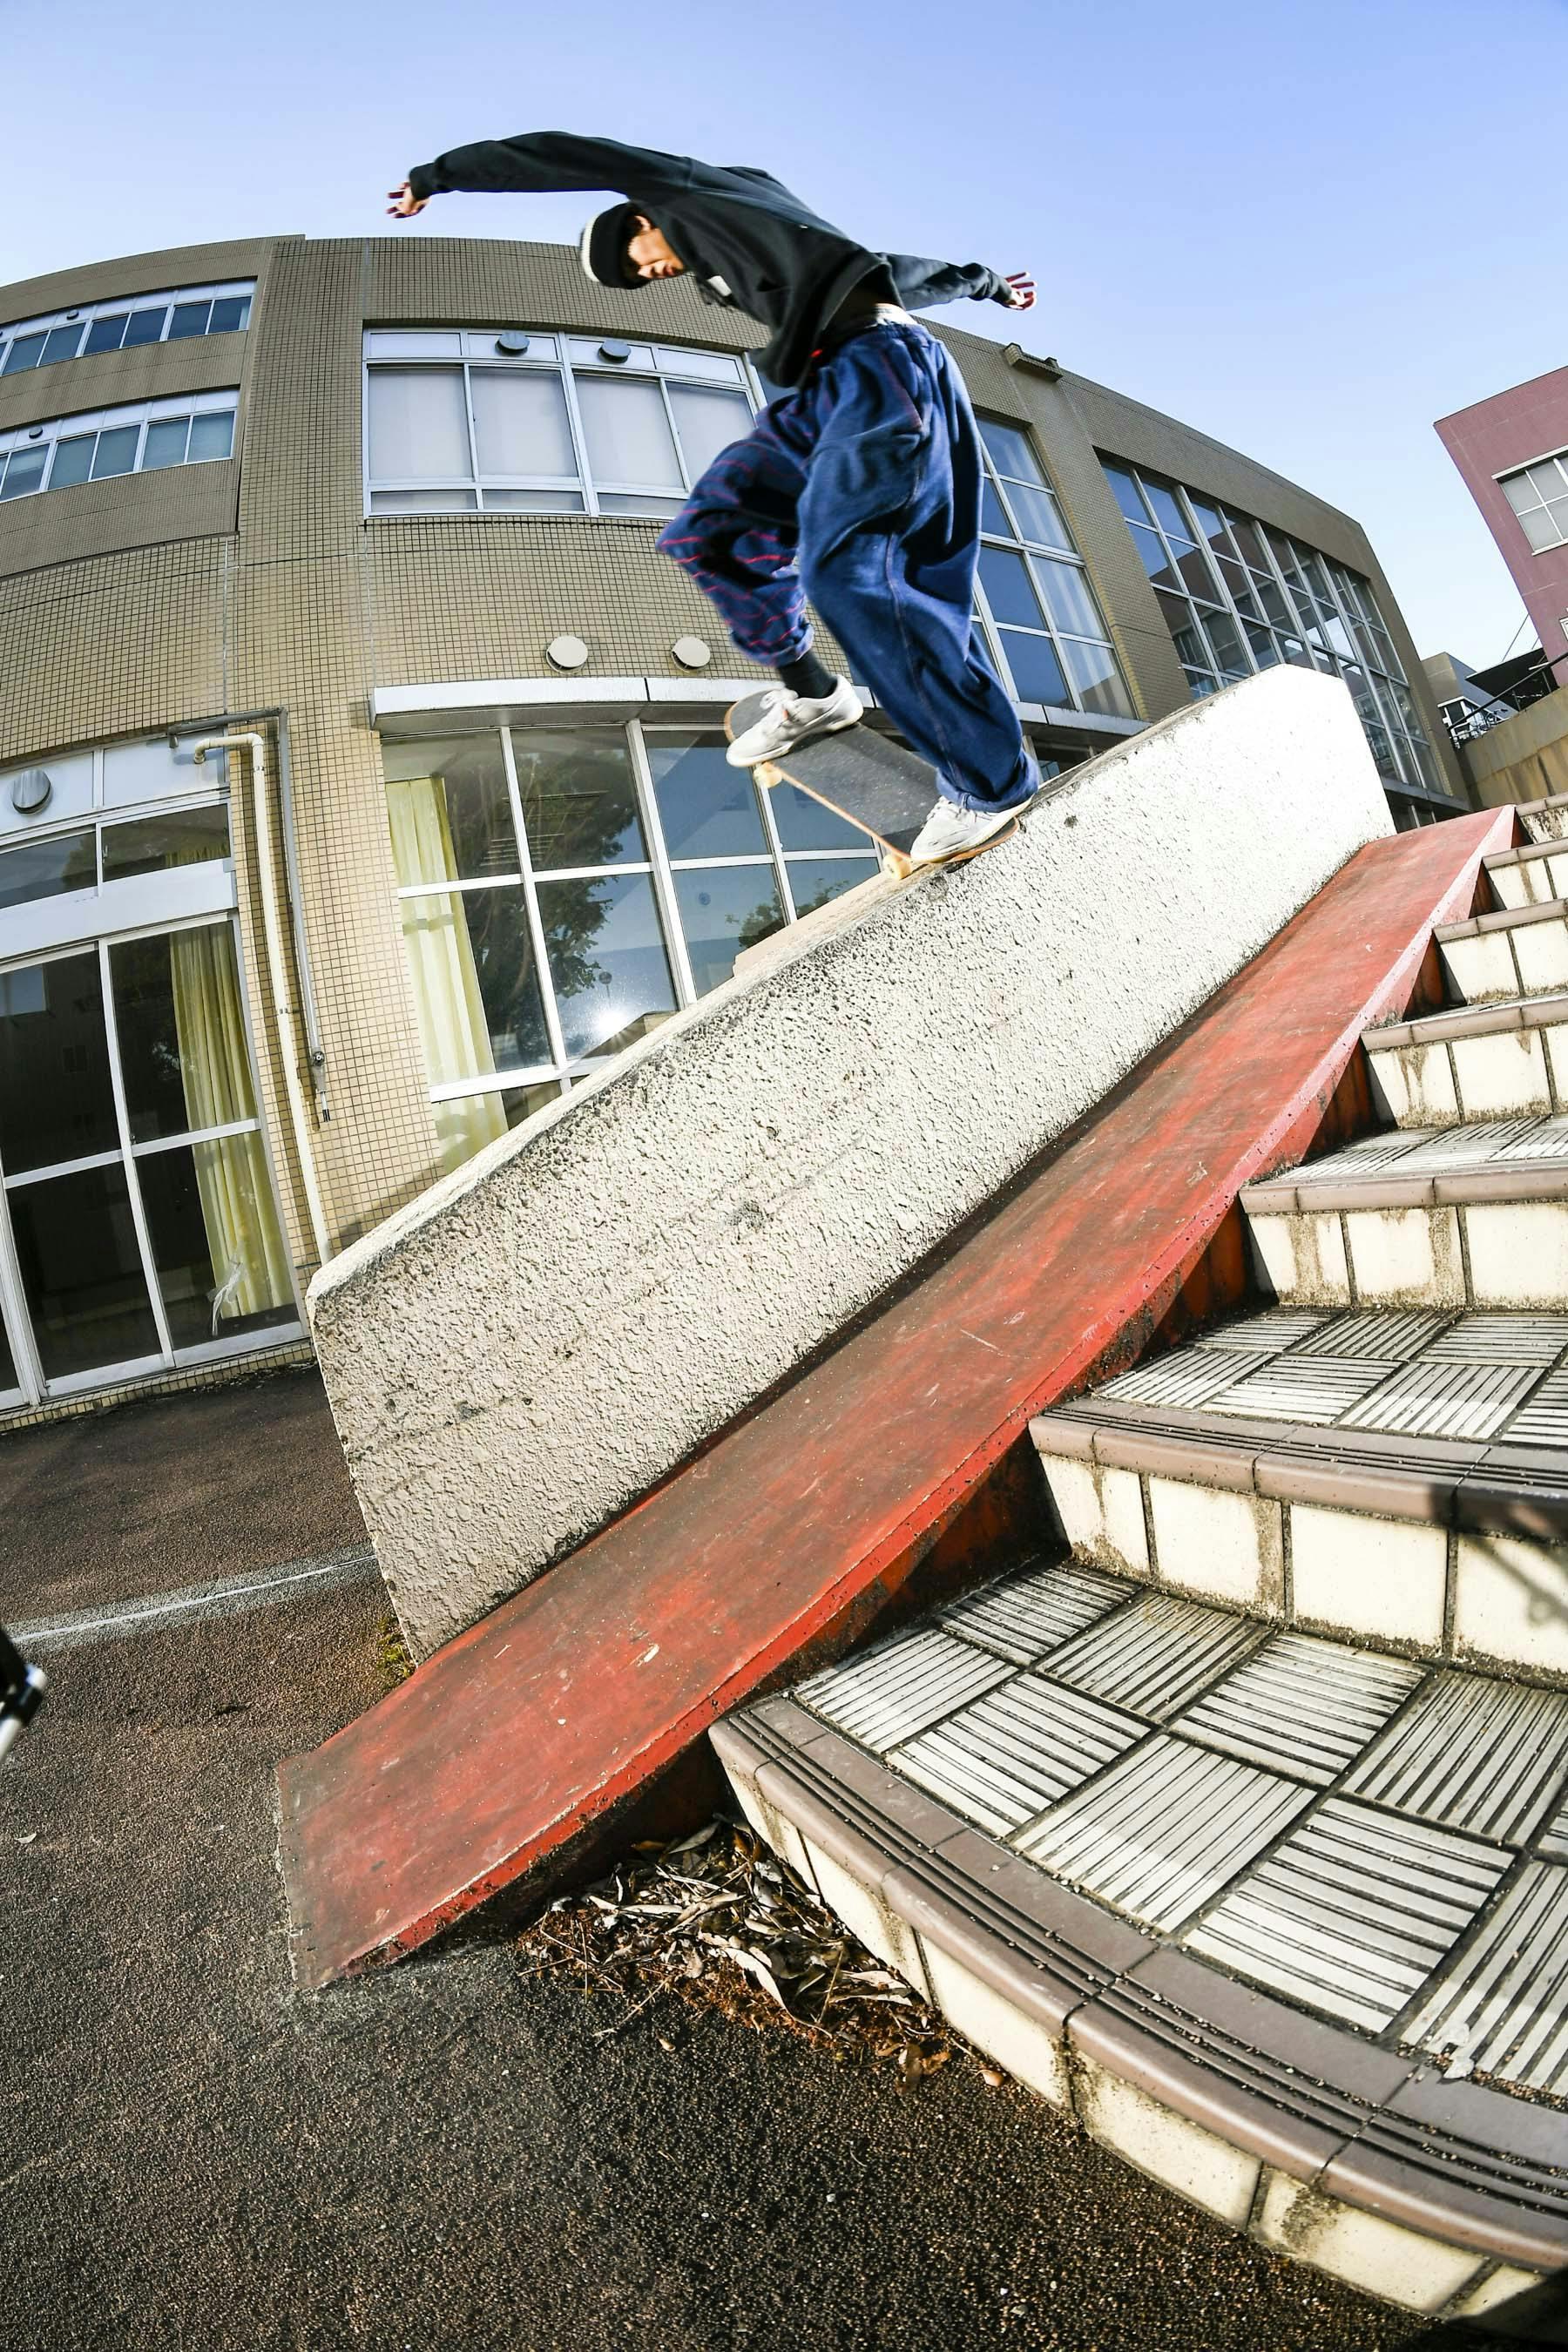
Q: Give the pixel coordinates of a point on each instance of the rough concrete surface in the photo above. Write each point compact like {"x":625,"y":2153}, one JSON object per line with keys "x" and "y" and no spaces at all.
{"x":192,"y":2155}
{"x":521,"y":1352}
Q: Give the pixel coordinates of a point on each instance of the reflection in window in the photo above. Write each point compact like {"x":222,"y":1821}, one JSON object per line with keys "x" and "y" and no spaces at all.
{"x":81,"y":1272}
{"x":47,"y":869}
{"x":708,"y":809}
{"x":470,"y":957}
{"x":182,"y":1059}
{"x":57,"y":1097}
{"x":723,"y":910}
{"x":607,"y":960}
{"x":579,"y":801}
{"x":467,"y":1122}
{"x":451,"y":810}
{"x":153,"y":845}
{"x":104,"y":326}
{"x":217,"y":1253}
{"x":1238,"y":598}
{"x":68,"y":451}
{"x":1044,"y":621}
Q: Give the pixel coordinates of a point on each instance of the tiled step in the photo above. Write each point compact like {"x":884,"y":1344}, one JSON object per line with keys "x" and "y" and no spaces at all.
{"x":1467,"y":1216}
{"x":1517,"y":951}
{"x":1506,"y":1060}
{"x":1546,"y":820}
{"x":1532,"y":876}
{"x":1394,"y":1478}
{"x":1254,"y":1907}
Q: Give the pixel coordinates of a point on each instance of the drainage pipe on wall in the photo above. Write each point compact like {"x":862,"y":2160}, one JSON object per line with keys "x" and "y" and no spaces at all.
{"x":277,"y":969}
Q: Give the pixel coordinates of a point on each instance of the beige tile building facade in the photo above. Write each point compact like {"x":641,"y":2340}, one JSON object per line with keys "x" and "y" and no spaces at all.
{"x":360,"y":497}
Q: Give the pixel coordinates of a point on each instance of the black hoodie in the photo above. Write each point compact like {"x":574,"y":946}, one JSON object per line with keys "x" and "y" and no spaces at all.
{"x":744,"y":238}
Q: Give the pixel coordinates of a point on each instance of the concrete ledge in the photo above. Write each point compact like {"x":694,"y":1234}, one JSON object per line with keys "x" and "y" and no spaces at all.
{"x":546,"y":1334}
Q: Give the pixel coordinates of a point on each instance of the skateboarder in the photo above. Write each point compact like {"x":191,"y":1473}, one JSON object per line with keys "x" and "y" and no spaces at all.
{"x":860,"y":489}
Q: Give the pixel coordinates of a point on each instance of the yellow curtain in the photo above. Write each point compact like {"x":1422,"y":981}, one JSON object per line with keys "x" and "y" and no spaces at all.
{"x":453,"y":1030}
{"x":250,"y":1264}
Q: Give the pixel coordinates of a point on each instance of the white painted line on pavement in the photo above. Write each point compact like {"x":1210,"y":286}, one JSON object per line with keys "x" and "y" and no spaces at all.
{"x":195,"y":1601}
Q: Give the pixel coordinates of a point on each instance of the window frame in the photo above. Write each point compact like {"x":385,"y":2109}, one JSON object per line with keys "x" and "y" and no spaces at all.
{"x":1558,"y":458}
{"x":84,"y":316}
{"x":51,"y":433}
{"x":565,"y":1071}
{"x":563,"y":357}
{"x":1316,"y":589}
{"x":1032,"y":549}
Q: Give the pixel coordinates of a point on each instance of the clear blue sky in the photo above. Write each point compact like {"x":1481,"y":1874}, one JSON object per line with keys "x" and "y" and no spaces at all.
{"x":1308,"y":229}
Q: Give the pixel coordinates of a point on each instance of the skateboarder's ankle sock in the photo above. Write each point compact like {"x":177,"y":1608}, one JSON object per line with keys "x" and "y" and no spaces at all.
{"x":806,"y":674}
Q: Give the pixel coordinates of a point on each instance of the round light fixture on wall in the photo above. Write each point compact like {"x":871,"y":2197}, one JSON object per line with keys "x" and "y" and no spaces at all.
{"x":31,"y":790}
{"x":615,"y":351}
{"x":513,"y":344}
{"x":692,"y":653}
{"x":567,"y":653}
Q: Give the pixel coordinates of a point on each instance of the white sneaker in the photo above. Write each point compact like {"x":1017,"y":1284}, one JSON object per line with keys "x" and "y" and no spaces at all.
{"x":790,"y":718}
{"x":950,"y":832}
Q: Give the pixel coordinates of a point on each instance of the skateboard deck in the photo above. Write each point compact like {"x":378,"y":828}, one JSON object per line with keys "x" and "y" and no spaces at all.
{"x":872,"y":784}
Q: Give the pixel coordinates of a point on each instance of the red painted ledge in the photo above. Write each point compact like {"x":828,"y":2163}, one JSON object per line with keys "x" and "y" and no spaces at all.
{"x":505,"y":1746}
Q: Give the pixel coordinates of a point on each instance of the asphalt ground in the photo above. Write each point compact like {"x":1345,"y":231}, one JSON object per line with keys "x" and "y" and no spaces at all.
{"x":194,"y":2154}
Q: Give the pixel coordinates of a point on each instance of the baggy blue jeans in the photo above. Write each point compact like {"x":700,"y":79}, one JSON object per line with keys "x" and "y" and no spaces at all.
{"x":861,"y":491}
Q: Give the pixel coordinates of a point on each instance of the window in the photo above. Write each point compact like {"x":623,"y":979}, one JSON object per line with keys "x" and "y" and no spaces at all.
{"x":120,"y":324}
{"x":511,"y":422}
{"x":1035,"y":593}
{"x":1538,"y":496}
{"x":1238,"y":598}
{"x":564,"y":890}
{"x":94,"y":448}
{"x":132,"y":1168}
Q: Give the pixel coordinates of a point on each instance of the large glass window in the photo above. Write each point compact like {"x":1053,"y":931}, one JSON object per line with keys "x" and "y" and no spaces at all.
{"x":1035,"y":592}
{"x":564,"y":890}
{"x":460,"y":421}
{"x":1238,"y":598}
{"x":135,"y":1178}
{"x":118,"y":324}
{"x":1538,"y":496}
{"x":143,"y":438}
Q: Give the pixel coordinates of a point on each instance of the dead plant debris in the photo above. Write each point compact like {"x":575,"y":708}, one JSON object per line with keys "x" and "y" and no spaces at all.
{"x":391,"y":1657}
{"x":715,"y":1921}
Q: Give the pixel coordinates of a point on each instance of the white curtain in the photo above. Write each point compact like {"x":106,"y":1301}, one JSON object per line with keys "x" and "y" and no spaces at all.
{"x":250,"y":1264}
{"x":453,"y":1029}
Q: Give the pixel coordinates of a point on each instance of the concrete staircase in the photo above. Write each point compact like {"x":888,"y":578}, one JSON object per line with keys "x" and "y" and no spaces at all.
{"x":1234,"y":1820}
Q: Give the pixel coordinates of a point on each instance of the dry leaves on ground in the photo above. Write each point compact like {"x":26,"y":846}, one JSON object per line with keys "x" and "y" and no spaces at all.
{"x":715,"y":1922}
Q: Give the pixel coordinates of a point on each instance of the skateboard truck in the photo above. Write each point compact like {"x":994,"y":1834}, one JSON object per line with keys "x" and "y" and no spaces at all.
{"x":21,"y":1690}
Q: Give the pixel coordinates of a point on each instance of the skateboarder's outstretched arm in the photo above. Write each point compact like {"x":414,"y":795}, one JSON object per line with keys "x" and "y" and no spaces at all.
{"x":539,"y":163}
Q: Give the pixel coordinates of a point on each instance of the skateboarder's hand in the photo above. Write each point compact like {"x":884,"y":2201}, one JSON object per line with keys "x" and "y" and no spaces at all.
{"x":404,"y":203}
{"x":1021,"y":290}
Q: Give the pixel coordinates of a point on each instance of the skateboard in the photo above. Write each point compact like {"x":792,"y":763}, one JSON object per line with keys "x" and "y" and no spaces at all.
{"x":872,"y":782}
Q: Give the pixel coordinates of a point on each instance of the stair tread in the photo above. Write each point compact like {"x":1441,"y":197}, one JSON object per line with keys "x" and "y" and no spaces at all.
{"x":1487,"y":1160}
{"x":1243,"y":1839}
{"x":1503,"y":918}
{"x":1494,"y":1018}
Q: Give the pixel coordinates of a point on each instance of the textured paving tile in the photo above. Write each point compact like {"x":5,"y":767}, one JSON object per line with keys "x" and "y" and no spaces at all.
{"x":1390,"y":1335}
{"x":1010,"y":1755}
{"x":1162,"y":1831}
{"x":1547,"y":1140}
{"x":1501,"y":2004}
{"x":1188,"y":1376}
{"x":1353,"y":1911}
{"x":1502,"y":1339}
{"x":1553,"y":1840}
{"x":1472,"y":1146}
{"x":901,"y":1688}
{"x":1474,"y":1754}
{"x":1432,"y":1398}
{"x":1025,"y":1616}
{"x":1157,"y":1655}
{"x":1305,"y":1706}
{"x":1543,"y":1418}
{"x":1265,"y":1334}
{"x":1316,"y":1388}
{"x":1368,"y":1158}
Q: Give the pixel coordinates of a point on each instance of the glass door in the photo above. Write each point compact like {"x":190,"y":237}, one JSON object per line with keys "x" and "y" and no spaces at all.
{"x":144,"y":1231}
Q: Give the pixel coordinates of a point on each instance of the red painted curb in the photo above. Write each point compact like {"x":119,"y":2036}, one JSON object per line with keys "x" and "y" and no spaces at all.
{"x":517,"y":1734}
